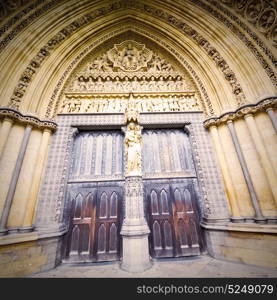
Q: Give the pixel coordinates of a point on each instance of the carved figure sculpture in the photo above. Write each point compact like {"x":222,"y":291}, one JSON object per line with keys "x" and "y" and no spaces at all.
{"x":133,"y":140}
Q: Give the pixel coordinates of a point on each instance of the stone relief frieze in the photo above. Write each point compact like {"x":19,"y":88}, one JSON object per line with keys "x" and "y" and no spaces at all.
{"x":119,"y":104}
{"x":138,"y":83}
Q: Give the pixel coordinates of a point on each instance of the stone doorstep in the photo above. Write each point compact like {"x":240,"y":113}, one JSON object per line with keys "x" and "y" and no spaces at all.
{"x":200,"y":268}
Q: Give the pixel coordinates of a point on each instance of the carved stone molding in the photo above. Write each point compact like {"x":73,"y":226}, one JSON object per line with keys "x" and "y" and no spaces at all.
{"x":50,"y":3}
{"x":23,"y":18}
{"x":261,"y":14}
{"x":27,"y":119}
{"x":9,"y":7}
{"x":228,"y":73}
{"x":240,"y":5}
{"x":27,"y":76}
{"x":262,"y":105}
{"x":241,"y":35}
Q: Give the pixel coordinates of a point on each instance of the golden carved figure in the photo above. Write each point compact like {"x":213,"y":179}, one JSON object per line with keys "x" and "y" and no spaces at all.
{"x":133,"y":140}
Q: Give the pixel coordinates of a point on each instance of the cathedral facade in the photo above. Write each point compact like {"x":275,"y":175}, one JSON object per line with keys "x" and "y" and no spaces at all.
{"x":137,"y":130}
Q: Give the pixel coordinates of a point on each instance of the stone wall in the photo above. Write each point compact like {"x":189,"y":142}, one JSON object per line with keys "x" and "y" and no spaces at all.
{"x":26,"y":258}
{"x":246,"y":247}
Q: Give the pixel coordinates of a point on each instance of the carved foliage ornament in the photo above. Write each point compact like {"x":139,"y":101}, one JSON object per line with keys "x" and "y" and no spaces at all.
{"x":7,"y":7}
{"x":260,"y":13}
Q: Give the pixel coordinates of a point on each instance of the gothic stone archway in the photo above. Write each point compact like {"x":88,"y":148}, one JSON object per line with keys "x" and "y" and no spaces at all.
{"x":131,"y":75}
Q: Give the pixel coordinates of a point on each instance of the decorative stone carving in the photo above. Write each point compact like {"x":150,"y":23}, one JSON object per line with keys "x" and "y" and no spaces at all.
{"x":271,"y":33}
{"x":99,"y":87}
{"x":107,"y":103}
{"x":261,"y":13}
{"x":118,"y":83}
{"x":262,"y":105}
{"x":7,"y":7}
{"x":134,"y":229}
{"x":129,"y":56}
{"x":129,"y":67}
{"x":27,"y":119}
{"x":15,"y":100}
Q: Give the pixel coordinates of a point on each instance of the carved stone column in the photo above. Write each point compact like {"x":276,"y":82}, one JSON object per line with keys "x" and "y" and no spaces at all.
{"x":27,"y":223}
{"x":4,"y":132}
{"x":14,"y":178}
{"x":134,"y":229}
{"x":229,"y":185}
{"x":264,"y":157}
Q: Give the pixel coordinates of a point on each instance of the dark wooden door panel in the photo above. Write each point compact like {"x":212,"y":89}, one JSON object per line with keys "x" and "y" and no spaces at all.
{"x":185,"y":218}
{"x":173,"y":218}
{"x":94,"y":230}
{"x":162,"y":239}
{"x":82,"y":219}
{"x":107,"y":241}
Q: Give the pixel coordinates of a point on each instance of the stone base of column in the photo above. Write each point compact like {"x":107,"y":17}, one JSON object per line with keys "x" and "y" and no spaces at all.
{"x":135,"y":253}
{"x":237,"y":219}
{"x":3,"y":231}
{"x":260,"y":220}
{"x":136,"y":256}
{"x":26,"y":229}
{"x":249,"y":220}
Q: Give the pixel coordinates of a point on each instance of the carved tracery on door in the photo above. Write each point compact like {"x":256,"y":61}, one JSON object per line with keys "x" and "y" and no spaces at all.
{"x":171,"y":199}
{"x":95,"y":196}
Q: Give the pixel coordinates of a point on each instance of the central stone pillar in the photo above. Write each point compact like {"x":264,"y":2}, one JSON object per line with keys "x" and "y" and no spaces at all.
{"x":134,"y":230}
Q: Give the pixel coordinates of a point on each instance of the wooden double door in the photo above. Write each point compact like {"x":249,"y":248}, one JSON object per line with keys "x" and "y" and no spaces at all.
{"x":95,"y":221}
{"x":173,"y":218}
